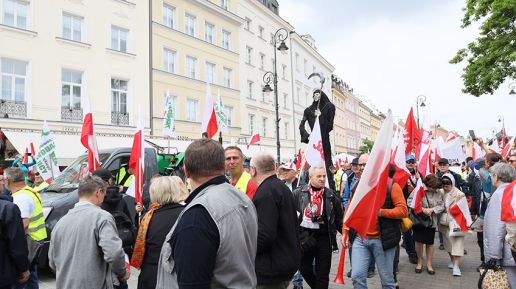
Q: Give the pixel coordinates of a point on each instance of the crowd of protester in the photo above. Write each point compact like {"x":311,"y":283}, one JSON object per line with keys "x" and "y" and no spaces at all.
{"x":237,"y":223}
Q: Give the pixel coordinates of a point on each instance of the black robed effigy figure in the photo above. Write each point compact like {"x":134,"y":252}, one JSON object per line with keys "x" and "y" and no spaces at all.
{"x":322,"y":107}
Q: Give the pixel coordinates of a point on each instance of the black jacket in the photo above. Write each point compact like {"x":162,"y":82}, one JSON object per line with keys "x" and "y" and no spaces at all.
{"x":160,"y":225}
{"x":279,"y":253}
{"x":334,"y":212}
{"x":13,"y":245}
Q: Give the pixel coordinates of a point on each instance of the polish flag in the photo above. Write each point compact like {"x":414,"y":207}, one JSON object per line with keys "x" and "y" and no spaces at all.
{"x":451,"y":136}
{"x":509,"y":203}
{"x":418,"y":192}
{"x":402,"y":174}
{"x":137,"y":162}
{"x":411,"y":134}
{"x":370,"y":193}
{"x":461,"y":215}
{"x":209,"y":121}
{"x":88,"y":139}
{"x":423,"y":155}
{"x":314,"y":150}
{"x":507,"y":149}
{"x":254,"y":139}
{"x":299,"y":159}
{"x":477,"y":152}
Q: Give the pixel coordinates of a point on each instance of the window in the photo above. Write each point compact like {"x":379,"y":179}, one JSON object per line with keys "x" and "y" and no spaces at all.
{"x":305,"y":68}
{"x":226,"y":39}
{"x":247,"y":24}
{"x":190,"y":21}
{"x":224,"y":4}
{"x":191,"y":67}
{"x":119,"y":38}
{"x":251,"y":123}
{"x":169,"y":15}
{"x":72,"y":27}
{"x":250,"y":89}
{"x":262,"y":61}
{"x":297,"y":61}
{"x":260,"y":32}
{"x":228,"y":110}
{"x":71,"y":89}
{"x":14,"y":74}
{"x":249,"y":54}
{"x":286,"y":130}
{"x":264,"y":126}
{"x":169,"y":60}
{"x":285,"y":71}
{"x":210,"y":72}
{"x":191,"y":109}
{"x":285,"y":97}
{"x":227,"y":77}
{"x":209,"y":30}
{"x":119,"y":95}
{"x":16,"y":13}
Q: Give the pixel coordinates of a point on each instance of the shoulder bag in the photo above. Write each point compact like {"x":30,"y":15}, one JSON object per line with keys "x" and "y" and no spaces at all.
{"x":421,"y":220}
{"x":493,"y":276}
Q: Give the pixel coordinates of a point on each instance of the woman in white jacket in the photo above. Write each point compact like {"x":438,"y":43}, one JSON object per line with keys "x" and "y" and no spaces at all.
{"x":495,"y":245}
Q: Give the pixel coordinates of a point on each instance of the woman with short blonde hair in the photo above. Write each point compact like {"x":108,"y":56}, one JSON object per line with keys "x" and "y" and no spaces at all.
{"x":167,"y":194}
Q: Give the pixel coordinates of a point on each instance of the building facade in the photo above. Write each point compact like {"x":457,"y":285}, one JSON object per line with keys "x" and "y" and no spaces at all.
{"x":339,"y":126}
{"x":194,"y":43}
{"x":56,"y":56}
{"x":347,"y":138}
{"x":376,"y":123}
{"x":364,"y":113}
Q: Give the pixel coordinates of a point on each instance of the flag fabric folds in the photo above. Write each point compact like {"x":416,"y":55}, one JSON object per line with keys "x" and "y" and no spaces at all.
{"x":88,"y":139}
{"x":402,"y":175}
{"x":509,"y":203}
{"x":411,"y":133}
{"x":254,"y":139}
{"x":169,"y":128}
{"x":46,"y":161}
{"x":314,"y":150}
{"x":418,"y":194}
{"x":461,"y":215}
{"x":209,"y":124}
{"x":137,"y":162}
{"x":370,"y":193}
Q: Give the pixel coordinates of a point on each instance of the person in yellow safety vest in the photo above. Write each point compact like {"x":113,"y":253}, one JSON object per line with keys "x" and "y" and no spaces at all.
{"x":240,"y":179}
{"x":337,"y":178}
{"x":31,"y":209}
{"x":124,"y":178}
{"x":39,"y":183}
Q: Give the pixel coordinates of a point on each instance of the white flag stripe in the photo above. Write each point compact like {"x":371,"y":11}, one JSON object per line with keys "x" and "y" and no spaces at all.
{"x":463,"y":206}
{"x":380,"y":154}
{"x":314,"y":151}
{"x":419,"y":184}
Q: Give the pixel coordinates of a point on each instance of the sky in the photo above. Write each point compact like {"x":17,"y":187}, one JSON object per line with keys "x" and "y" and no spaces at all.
{"x":392,"y":51}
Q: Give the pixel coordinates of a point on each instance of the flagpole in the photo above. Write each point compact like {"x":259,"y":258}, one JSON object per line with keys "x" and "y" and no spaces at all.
{"x":168,"y":141}
{"x":51,"y":167}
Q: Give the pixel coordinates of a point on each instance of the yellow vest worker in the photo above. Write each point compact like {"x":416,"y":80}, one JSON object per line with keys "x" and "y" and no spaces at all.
{"x":37,"y":230}
{"x":337,"y":178}
{"x":123,"y":178}
{"x":245,"y":185}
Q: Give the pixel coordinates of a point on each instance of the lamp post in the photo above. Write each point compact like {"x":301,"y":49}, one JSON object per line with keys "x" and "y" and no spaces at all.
{"x":512,"y":87}
{"x":502,"y":134}
{"x":420,"y":101}
{"x":279,"y":37}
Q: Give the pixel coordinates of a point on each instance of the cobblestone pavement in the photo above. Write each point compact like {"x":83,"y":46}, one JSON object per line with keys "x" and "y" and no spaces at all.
{"x":407,"y":278}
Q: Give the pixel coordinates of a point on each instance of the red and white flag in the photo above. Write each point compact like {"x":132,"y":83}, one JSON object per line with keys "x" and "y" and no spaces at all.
{"x":509,"y":203}
{"x":411,"y":133}
{"x":370,"y":193}
{"x":461,"y":215}
{"x":254,"y":139}
{"x":423,"y":152}
{"x":417,"y":199}
{"x":209,"y":121}
{"x":29,"y":149}
{"x":88,"y":139}
{"x":314,"y":150}
{"x":299,"y":160}
{"x":507,"y":149}
{"x":137,"y":162}
{"x":402,"y":174}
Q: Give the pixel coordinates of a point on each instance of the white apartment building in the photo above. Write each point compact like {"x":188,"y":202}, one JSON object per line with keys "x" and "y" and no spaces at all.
{"x":294,"y":89}
{"x":56,"y":54}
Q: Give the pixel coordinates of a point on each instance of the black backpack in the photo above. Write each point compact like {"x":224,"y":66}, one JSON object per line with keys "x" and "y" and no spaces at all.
{"x":125,"y":230}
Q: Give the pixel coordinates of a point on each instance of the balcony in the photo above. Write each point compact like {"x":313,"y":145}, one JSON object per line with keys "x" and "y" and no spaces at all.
{"x":69,"y":114}
{"x":11,"y":108}
{"x":119,"y":118}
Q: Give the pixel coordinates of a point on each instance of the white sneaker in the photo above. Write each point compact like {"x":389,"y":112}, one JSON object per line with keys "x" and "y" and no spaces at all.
{"x":450,"y":265}
{"x":456,"y":271}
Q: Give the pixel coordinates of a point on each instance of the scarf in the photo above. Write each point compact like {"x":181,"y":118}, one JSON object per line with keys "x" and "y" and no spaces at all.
{"x":139,"y":247}
{"x":313,"y":211}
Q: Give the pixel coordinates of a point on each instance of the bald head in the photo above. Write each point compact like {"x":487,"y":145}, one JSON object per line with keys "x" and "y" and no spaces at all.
{"x":362,"y":161}
{"x":262,"y":166}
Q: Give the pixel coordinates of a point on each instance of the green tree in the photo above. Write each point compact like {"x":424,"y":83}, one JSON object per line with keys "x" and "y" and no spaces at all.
{"x":367,"y":146}
{"x":491,"y":57}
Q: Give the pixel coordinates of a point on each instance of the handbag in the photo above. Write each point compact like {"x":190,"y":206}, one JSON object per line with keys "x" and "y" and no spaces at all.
{"x":493,"y":276}
{"x":421,"y":220}
{"x":406,"y":225}
{"x":455,"y":230}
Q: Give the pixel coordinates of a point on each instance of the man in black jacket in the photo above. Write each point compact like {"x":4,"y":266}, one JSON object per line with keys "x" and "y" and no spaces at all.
{"x":278,"y":253}
{"x":14,"y":261}
{"x":320,"y":217}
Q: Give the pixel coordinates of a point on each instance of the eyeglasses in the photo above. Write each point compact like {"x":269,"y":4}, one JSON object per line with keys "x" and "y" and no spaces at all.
{"x":411,"y":162}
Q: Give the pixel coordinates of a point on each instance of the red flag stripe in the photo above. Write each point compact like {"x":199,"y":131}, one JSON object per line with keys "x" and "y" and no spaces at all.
{"x":508,"y":213}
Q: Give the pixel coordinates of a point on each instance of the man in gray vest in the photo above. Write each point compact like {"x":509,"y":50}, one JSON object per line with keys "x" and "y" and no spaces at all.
{"x":213,"y":243}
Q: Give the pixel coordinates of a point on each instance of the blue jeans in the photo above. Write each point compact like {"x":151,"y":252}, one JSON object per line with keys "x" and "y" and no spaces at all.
{"x":410,"y":246}
{"x":362,"y":250}
{"x":371,"y":260}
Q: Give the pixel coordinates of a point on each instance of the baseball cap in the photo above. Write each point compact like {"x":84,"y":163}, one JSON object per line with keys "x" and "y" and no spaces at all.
{"x":288,"y":166}
{"x":410,"y":157}
{"x":354,"y":161}
{"x":443,"y":161}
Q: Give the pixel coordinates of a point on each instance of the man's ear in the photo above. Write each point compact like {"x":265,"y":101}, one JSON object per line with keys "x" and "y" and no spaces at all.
{"x":187,"y":173}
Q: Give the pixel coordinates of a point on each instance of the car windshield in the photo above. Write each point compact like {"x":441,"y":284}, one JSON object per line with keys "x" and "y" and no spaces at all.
{"x":73,"y":174}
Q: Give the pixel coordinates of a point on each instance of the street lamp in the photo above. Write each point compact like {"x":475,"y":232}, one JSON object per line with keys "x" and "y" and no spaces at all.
{"x":420,"y":101}
{"x":512,"y":86}
{"x":279,"y":37}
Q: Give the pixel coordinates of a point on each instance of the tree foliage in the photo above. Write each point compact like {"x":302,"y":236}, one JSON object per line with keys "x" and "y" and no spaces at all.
{"x":367,"y":146}
{"x":491,"y":57}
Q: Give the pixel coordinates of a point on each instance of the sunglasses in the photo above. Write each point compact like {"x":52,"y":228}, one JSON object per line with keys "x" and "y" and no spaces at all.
{"x":411,"y":162}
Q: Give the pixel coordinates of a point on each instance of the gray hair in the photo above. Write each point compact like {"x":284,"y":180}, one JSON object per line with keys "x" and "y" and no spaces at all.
{"x":263,"y":162}
{"x":14,"y":175}
{"x":91,"y":184}
{"x":167,"y":190}
{"x":311,"y":170}
{"x":505,"y":172}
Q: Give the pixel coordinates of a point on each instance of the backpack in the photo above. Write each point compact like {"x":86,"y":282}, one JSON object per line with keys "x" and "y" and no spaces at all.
{"x":125,"y":230}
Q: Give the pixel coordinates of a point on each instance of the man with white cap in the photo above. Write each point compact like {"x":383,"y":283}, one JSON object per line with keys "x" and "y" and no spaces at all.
{"x":287,"y":172}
